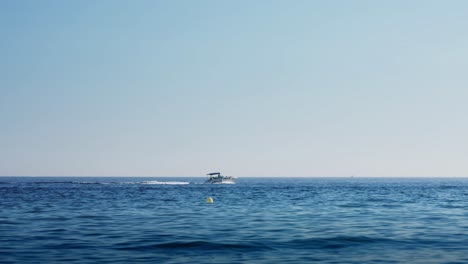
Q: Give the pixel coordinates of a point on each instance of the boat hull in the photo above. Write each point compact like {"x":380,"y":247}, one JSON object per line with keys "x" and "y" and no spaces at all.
{"x":220,"y":182}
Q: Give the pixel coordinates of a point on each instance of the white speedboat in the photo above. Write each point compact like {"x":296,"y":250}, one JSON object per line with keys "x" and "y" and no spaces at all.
{"x":217,"y":178}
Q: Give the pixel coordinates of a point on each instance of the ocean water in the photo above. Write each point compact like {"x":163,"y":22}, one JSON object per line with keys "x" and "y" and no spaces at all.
{"x":257,"y":220}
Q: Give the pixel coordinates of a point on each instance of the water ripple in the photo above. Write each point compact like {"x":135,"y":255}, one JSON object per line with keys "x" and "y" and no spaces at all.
{"x":282,"y":220}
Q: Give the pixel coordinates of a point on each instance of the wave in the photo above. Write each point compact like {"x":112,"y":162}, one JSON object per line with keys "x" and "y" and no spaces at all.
{"x":339,"y":242}
{"x":326,"y":243}
{"x":199,"y":245}
{"x":334,"y":242}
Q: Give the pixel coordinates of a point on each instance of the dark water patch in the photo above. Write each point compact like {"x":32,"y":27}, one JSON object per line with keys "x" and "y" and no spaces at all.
{"x":36,"y":210}
{"x":453,"y":206}
{"x":10,"y":222}
{"x":50,"y":182}
{"x":392,"y":205}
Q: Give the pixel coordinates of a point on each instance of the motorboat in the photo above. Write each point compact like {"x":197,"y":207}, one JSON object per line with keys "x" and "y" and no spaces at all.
{"x":217,"y":178}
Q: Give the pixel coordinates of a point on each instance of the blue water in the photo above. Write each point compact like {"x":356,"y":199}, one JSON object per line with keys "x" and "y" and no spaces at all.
{"x":257,"y":220}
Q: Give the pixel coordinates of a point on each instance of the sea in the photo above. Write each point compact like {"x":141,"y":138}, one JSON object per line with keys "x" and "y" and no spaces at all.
{"x":256,"y":220}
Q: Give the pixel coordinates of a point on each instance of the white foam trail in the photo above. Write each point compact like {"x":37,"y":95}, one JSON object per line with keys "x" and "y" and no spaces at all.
{"x":167,"y":182}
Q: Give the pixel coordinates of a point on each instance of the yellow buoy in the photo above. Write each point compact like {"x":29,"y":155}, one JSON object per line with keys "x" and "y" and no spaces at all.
{"x":209,"y":200}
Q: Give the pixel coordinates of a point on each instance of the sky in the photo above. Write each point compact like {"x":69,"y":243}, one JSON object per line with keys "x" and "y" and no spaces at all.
{"x":248,"y":88}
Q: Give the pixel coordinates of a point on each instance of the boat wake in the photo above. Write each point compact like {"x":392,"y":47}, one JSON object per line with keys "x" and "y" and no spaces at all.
{"x":166,"y":182}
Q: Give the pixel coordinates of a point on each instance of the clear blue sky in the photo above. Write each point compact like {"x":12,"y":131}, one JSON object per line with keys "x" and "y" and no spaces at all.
{"x":250,"y":88}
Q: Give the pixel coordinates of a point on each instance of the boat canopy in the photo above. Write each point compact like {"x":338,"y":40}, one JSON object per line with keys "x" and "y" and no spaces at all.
{"x":214,"y":173}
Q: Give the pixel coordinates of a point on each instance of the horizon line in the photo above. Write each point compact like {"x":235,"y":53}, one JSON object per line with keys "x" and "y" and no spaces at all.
{"x":250,"y":176}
